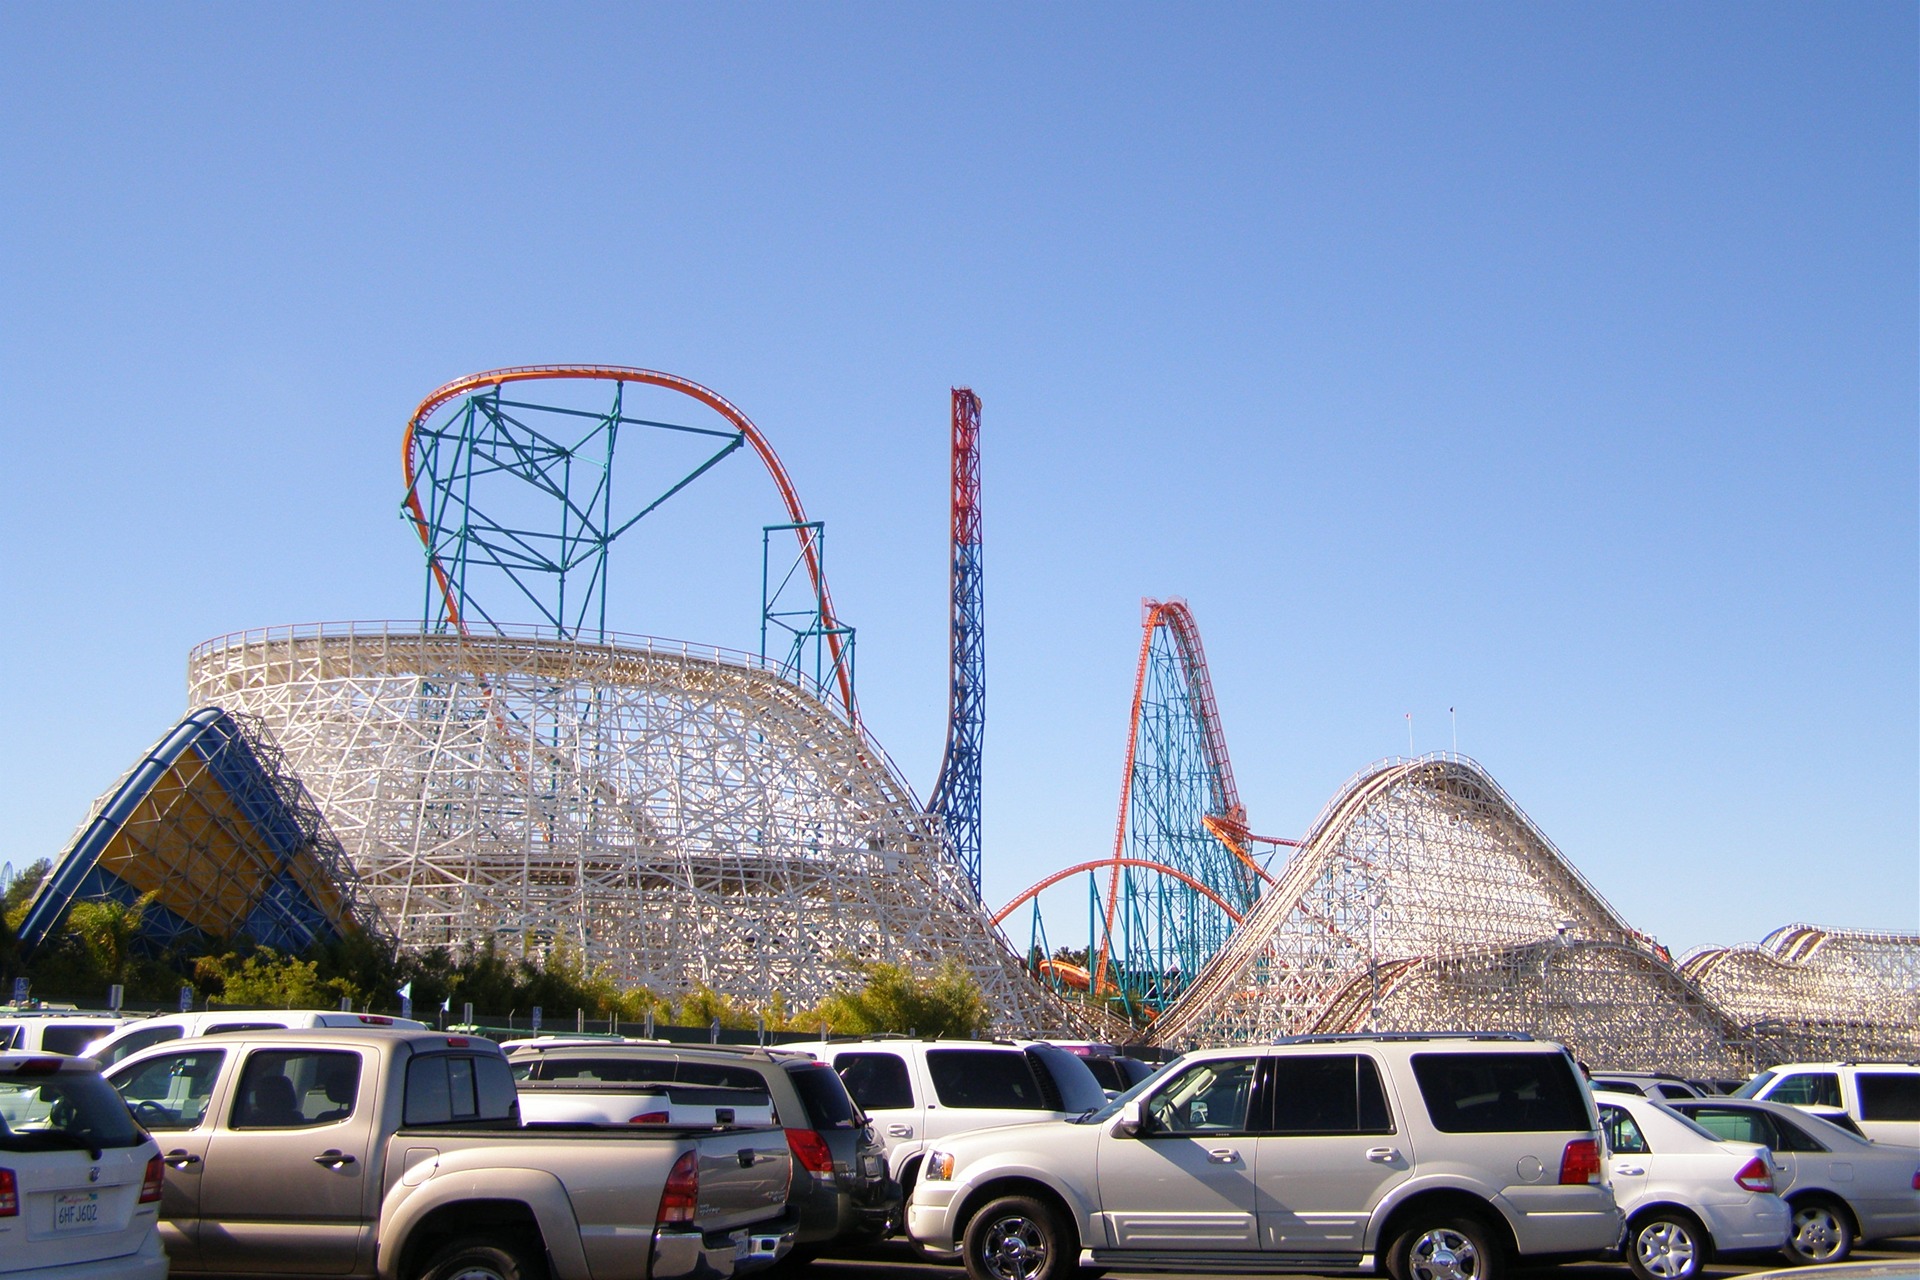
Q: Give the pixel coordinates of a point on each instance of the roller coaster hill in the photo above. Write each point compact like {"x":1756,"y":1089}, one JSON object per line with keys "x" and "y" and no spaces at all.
{"x":685,"y":815}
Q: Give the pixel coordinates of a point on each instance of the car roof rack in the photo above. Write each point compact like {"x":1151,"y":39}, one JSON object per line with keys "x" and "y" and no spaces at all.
{"x":1360,"y":1037}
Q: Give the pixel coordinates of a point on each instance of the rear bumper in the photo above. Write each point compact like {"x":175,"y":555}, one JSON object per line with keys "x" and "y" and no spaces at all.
{"x":148,"y":1262}
{"x":683,"y":1254}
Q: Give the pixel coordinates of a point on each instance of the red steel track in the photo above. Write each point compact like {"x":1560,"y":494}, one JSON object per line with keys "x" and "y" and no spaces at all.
{"x":617,"y":373}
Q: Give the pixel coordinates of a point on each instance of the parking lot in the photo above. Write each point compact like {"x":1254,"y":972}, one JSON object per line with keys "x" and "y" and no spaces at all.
{"x":900,"y":1262}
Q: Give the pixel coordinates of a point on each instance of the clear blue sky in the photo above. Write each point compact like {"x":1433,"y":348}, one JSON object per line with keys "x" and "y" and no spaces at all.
{"x":1553,"y":362}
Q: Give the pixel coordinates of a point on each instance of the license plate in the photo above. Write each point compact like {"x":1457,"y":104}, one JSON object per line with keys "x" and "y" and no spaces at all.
{"x":76,"y":1211}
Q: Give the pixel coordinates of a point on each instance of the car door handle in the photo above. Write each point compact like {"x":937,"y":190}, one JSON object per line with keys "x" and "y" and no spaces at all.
{"x":1223,"y":1155}
{"x":1383,"y":1155}
{"x":1630,"y":1170}
{"x":333,"y":1159}
{"x":180,"y":1159}
{"x":899,"y":1131}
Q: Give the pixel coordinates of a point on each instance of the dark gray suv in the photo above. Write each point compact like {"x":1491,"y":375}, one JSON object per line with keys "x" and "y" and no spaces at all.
{"x":840,"y":1185}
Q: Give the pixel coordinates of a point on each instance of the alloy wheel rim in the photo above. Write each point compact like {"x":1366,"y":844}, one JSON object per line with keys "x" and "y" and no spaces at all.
{"x":1444,"y":1254}
{"x":1016,"y":1249}
{"x":1666,"y":1249}
{"x":1816,"y":1234}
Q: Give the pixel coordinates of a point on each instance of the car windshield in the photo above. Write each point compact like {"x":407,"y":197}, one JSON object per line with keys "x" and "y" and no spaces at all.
{"x":1113,"y":1106}
{"x":1752,"y":1088}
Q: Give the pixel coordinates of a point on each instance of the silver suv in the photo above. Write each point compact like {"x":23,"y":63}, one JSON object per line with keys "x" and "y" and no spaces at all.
{"x":1437,"y":1157}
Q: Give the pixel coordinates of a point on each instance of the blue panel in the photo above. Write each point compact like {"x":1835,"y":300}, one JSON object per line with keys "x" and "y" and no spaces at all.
{"x":283,"y":917}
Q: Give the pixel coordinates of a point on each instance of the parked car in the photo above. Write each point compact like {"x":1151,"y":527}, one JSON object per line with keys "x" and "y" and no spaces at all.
{"x":394,"y":1153}
{"x":1843,"y":1189}
{"x":65,"y":1031}
{"x":147,"y":1032}
{"x":79,"y":1180}
{"x":1117,"y":1073}
{"x":919,"y":1091}
{"x":1433,"y":1157}
{"x":1648,"y":1084}
{"x":1882,"y":1097}
{"x":841,"y":1189}
{"x":1689,"y":1196}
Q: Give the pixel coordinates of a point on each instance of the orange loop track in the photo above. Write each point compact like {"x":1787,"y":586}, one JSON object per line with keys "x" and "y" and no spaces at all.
{"x":650,"y":377}
{"x":1199,"y":886}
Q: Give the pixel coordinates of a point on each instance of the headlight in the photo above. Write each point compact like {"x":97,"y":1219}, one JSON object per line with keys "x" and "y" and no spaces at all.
{"x":939,"y":1167}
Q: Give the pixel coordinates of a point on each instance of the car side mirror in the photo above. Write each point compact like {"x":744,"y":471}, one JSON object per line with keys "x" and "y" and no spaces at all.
{"x":1129,"y":1122}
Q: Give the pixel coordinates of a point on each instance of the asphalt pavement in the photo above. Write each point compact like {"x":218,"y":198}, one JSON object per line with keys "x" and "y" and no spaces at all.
{"x":902,"y":1262}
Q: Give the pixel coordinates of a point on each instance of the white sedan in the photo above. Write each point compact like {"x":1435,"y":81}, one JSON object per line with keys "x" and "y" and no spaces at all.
{"x":1688,"y":1196}
{"x":1843,"y":1188}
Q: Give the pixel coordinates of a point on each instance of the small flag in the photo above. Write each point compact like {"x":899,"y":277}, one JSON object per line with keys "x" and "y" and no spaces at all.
{"x":446,"y":1005}
{"x":405,"y":990}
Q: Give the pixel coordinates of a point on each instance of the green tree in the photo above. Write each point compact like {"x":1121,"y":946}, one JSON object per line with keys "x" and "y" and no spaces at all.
{"x":107,"y":929}
{"x":268,"y":979}
{"x":894,"y":999}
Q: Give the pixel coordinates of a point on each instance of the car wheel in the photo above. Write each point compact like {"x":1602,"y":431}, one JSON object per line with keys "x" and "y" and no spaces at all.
{"x":1822,"y":1232}
{"x":481,"y":1260}
{"x":1666,"y":1246}
{"x":1019,"y":1238}
{"x":1445,"y":1249}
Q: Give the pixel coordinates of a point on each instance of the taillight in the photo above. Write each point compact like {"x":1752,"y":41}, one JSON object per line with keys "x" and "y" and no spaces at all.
{"x":151,"y":1184}
{"x":37,"y":1067}
{"x":1916,"y":1179}
{"x":1754,"y":1175}
{"x":810,"y":1149}
{"x":649,"y":1117}
{"x":1580,"y":1162}
{"x":9,"y":1195}
{"x":681,"y":1197}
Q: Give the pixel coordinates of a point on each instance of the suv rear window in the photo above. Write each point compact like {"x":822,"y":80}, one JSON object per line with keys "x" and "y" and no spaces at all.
{"x":824,"y":1096}
{"x":63,"y":1111}
{"x":1889,"y":1095}
{"x":610,"y":1070}
{"x":982,"y":1078}
{"x":1501,"y":1092}
{"x":71,"y":1037}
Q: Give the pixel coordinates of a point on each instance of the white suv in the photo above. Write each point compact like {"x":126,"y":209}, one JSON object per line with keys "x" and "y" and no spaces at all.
{"x":1437,"y":1157}
{"x":147,"y":1032}
{"x":1882,"y":1097}
{"x":80,"y":1182}
{"x":918,"y":1091}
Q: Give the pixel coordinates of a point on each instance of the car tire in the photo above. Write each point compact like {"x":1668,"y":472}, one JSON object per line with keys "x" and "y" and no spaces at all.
{"x":1822,"y":1232}
{"x":1020,"y":1238}
{"x":1451,"y":1248}
{"x":482,"y":1260}
{"x":1667,"y":1246}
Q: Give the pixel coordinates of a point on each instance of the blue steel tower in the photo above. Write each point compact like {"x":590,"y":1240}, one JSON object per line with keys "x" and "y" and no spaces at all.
{"x":956,"y":796}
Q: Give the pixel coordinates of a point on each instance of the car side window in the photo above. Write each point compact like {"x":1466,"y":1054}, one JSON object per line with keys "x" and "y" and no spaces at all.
{"x":171,"y":1091}
{"x":1331,"y":1093}
{"x":1793,"y":1137}
{"x":1675,"y":1091}
{"x":1623,"y":1135}
{"x":1889,"y":1095}
{"x":296,"y":1088}
{"x":1819,"y":1088}
{"x":986,"y":1078}
{"x":1209,"y":1097}
{"x":1734,"y":1125}
{"x":877,"y":1081}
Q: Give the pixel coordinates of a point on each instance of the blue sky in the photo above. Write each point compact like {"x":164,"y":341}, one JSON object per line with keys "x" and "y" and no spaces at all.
{"x":1556,"y":363}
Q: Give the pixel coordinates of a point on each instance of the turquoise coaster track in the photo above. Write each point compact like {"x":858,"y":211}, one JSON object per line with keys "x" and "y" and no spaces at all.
{"x":1182,"y":874}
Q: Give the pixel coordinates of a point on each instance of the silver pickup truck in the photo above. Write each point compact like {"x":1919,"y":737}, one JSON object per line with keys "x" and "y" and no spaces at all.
{"x":400,"y":1155}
